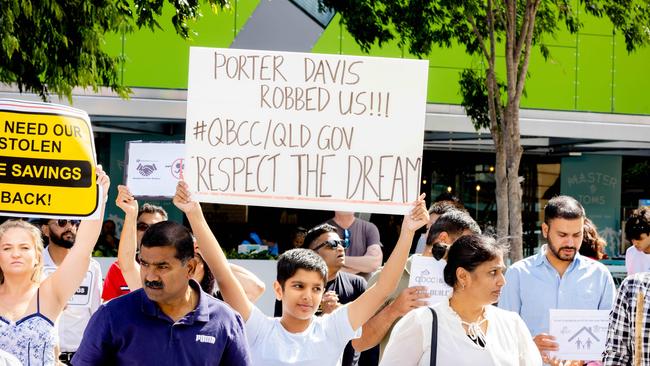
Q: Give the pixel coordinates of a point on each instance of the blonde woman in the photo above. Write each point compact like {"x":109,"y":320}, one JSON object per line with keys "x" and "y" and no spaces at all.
{"x":29,"y":307}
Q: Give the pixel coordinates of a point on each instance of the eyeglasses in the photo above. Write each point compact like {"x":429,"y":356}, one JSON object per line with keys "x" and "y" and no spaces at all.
{"x":64,"y":223}
{"x":346,"y":237}
{"x":142,"y":226}
{"x":332,"y":244}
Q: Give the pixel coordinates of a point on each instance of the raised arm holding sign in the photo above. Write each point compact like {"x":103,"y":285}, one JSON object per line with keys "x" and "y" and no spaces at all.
{"x":300,"y":290}
{"x":33,"y":304}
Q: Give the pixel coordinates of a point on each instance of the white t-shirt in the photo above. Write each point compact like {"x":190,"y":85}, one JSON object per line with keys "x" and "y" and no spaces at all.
{"x":321,"y":344}
{"x":636,"y":261}
{"x":508,"y":341}
{"x":80,"y":307}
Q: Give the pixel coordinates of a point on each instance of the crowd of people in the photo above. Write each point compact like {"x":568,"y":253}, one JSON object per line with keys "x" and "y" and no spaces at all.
{"x":172,"y":298}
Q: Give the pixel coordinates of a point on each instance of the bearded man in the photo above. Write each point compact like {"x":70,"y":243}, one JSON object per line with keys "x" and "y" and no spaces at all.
{"x":557,"y":277}
{"x":60,"y":236}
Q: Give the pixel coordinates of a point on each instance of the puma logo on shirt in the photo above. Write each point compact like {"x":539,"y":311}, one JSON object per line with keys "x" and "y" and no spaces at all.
{"x":205,"y":338}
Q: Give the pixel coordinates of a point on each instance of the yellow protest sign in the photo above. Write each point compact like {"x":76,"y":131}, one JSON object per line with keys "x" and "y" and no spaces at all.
{"x":47,"y":160}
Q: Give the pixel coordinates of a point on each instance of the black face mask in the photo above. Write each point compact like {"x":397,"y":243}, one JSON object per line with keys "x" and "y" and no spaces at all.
{"x":438,"y":250}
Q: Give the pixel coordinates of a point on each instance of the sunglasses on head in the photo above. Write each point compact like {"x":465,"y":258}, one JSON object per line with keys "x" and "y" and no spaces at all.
{"x":332,"y":244}
{"x":142,"y":226}
{"x":64,"y":223}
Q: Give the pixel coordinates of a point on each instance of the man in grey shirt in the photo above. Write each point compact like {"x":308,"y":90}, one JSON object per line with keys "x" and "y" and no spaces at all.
{"x":363,"y":254}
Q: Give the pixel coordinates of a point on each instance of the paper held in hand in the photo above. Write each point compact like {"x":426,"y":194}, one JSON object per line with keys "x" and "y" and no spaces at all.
{"x":581,"y":334}
{"x":153,"y":168}
{"x":427,"y":271}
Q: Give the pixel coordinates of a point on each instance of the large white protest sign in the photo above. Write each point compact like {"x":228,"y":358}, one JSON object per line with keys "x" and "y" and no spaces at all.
{"x":305,"y":130}
{"x":429,"y":272}
{"x":154,"y":168}
{"x":581,"y":334}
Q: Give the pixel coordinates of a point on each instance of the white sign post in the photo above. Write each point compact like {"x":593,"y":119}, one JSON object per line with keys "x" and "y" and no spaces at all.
{"x":305,"y":130}
{"x":429,"y":272}
{"x":580,"y":333}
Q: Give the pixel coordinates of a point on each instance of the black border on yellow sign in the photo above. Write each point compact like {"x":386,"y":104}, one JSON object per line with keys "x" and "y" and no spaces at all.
{"x":93,"y":155}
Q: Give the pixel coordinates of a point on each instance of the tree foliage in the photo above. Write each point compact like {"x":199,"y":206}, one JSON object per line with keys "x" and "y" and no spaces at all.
{"x":420,"y":24}
{"x":54,"y":45}
{"x":473,"y":88}
{"x":482,"y":26}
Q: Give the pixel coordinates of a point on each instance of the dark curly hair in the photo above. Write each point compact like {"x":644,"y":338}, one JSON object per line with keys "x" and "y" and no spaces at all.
{"x":638,"y":223}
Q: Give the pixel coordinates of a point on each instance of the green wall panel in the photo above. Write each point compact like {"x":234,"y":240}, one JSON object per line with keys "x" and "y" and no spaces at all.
{"x":631,"y":78}
{"x":337,"y":40}
{"x":160,"y":59}
{"x":453,"y":56}
{"x":443,"y":85}
{"x":594,"y":25}
{"x":350,"y":47}
{"x":551,"y":83}
{"x":243,"y":10}
{"x":156,"y":60}
{"x":330,"y":40}
{"x":562,"y":39}
{"x":167,"y":53}
{"x":594,"y":58}
{"x":113,"y":46}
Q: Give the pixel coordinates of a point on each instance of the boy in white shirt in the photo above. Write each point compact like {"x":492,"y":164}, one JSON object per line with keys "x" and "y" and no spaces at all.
{"x":637,"y":232}
{"x":299,"y":337}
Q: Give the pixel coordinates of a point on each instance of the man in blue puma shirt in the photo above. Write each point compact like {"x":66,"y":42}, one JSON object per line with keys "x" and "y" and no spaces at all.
{"x":170,"y":321}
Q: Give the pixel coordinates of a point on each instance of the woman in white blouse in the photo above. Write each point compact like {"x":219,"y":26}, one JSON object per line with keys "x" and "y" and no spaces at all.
{"x":471,"y":331}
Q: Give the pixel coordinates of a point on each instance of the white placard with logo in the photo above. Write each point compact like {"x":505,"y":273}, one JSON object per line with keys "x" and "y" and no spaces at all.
{"x":581,"y":334}
{"x":154,"y":168}
{"x":305,"y":130}
{"x":429,"y":272}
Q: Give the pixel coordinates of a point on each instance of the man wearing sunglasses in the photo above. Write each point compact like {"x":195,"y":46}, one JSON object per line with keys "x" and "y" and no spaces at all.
{"x":60,"y":236}
{"x":364,"y":254}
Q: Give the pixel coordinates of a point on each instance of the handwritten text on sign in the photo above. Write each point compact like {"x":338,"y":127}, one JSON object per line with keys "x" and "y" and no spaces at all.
{"x":305,"y":130}
{"x":47,"y":161}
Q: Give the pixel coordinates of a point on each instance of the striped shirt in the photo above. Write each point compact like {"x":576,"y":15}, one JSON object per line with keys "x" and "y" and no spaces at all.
{"x":628,"y":336}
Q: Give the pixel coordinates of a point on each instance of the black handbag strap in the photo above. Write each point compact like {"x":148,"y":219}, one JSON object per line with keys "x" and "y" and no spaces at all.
{"x":434,"y":337}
